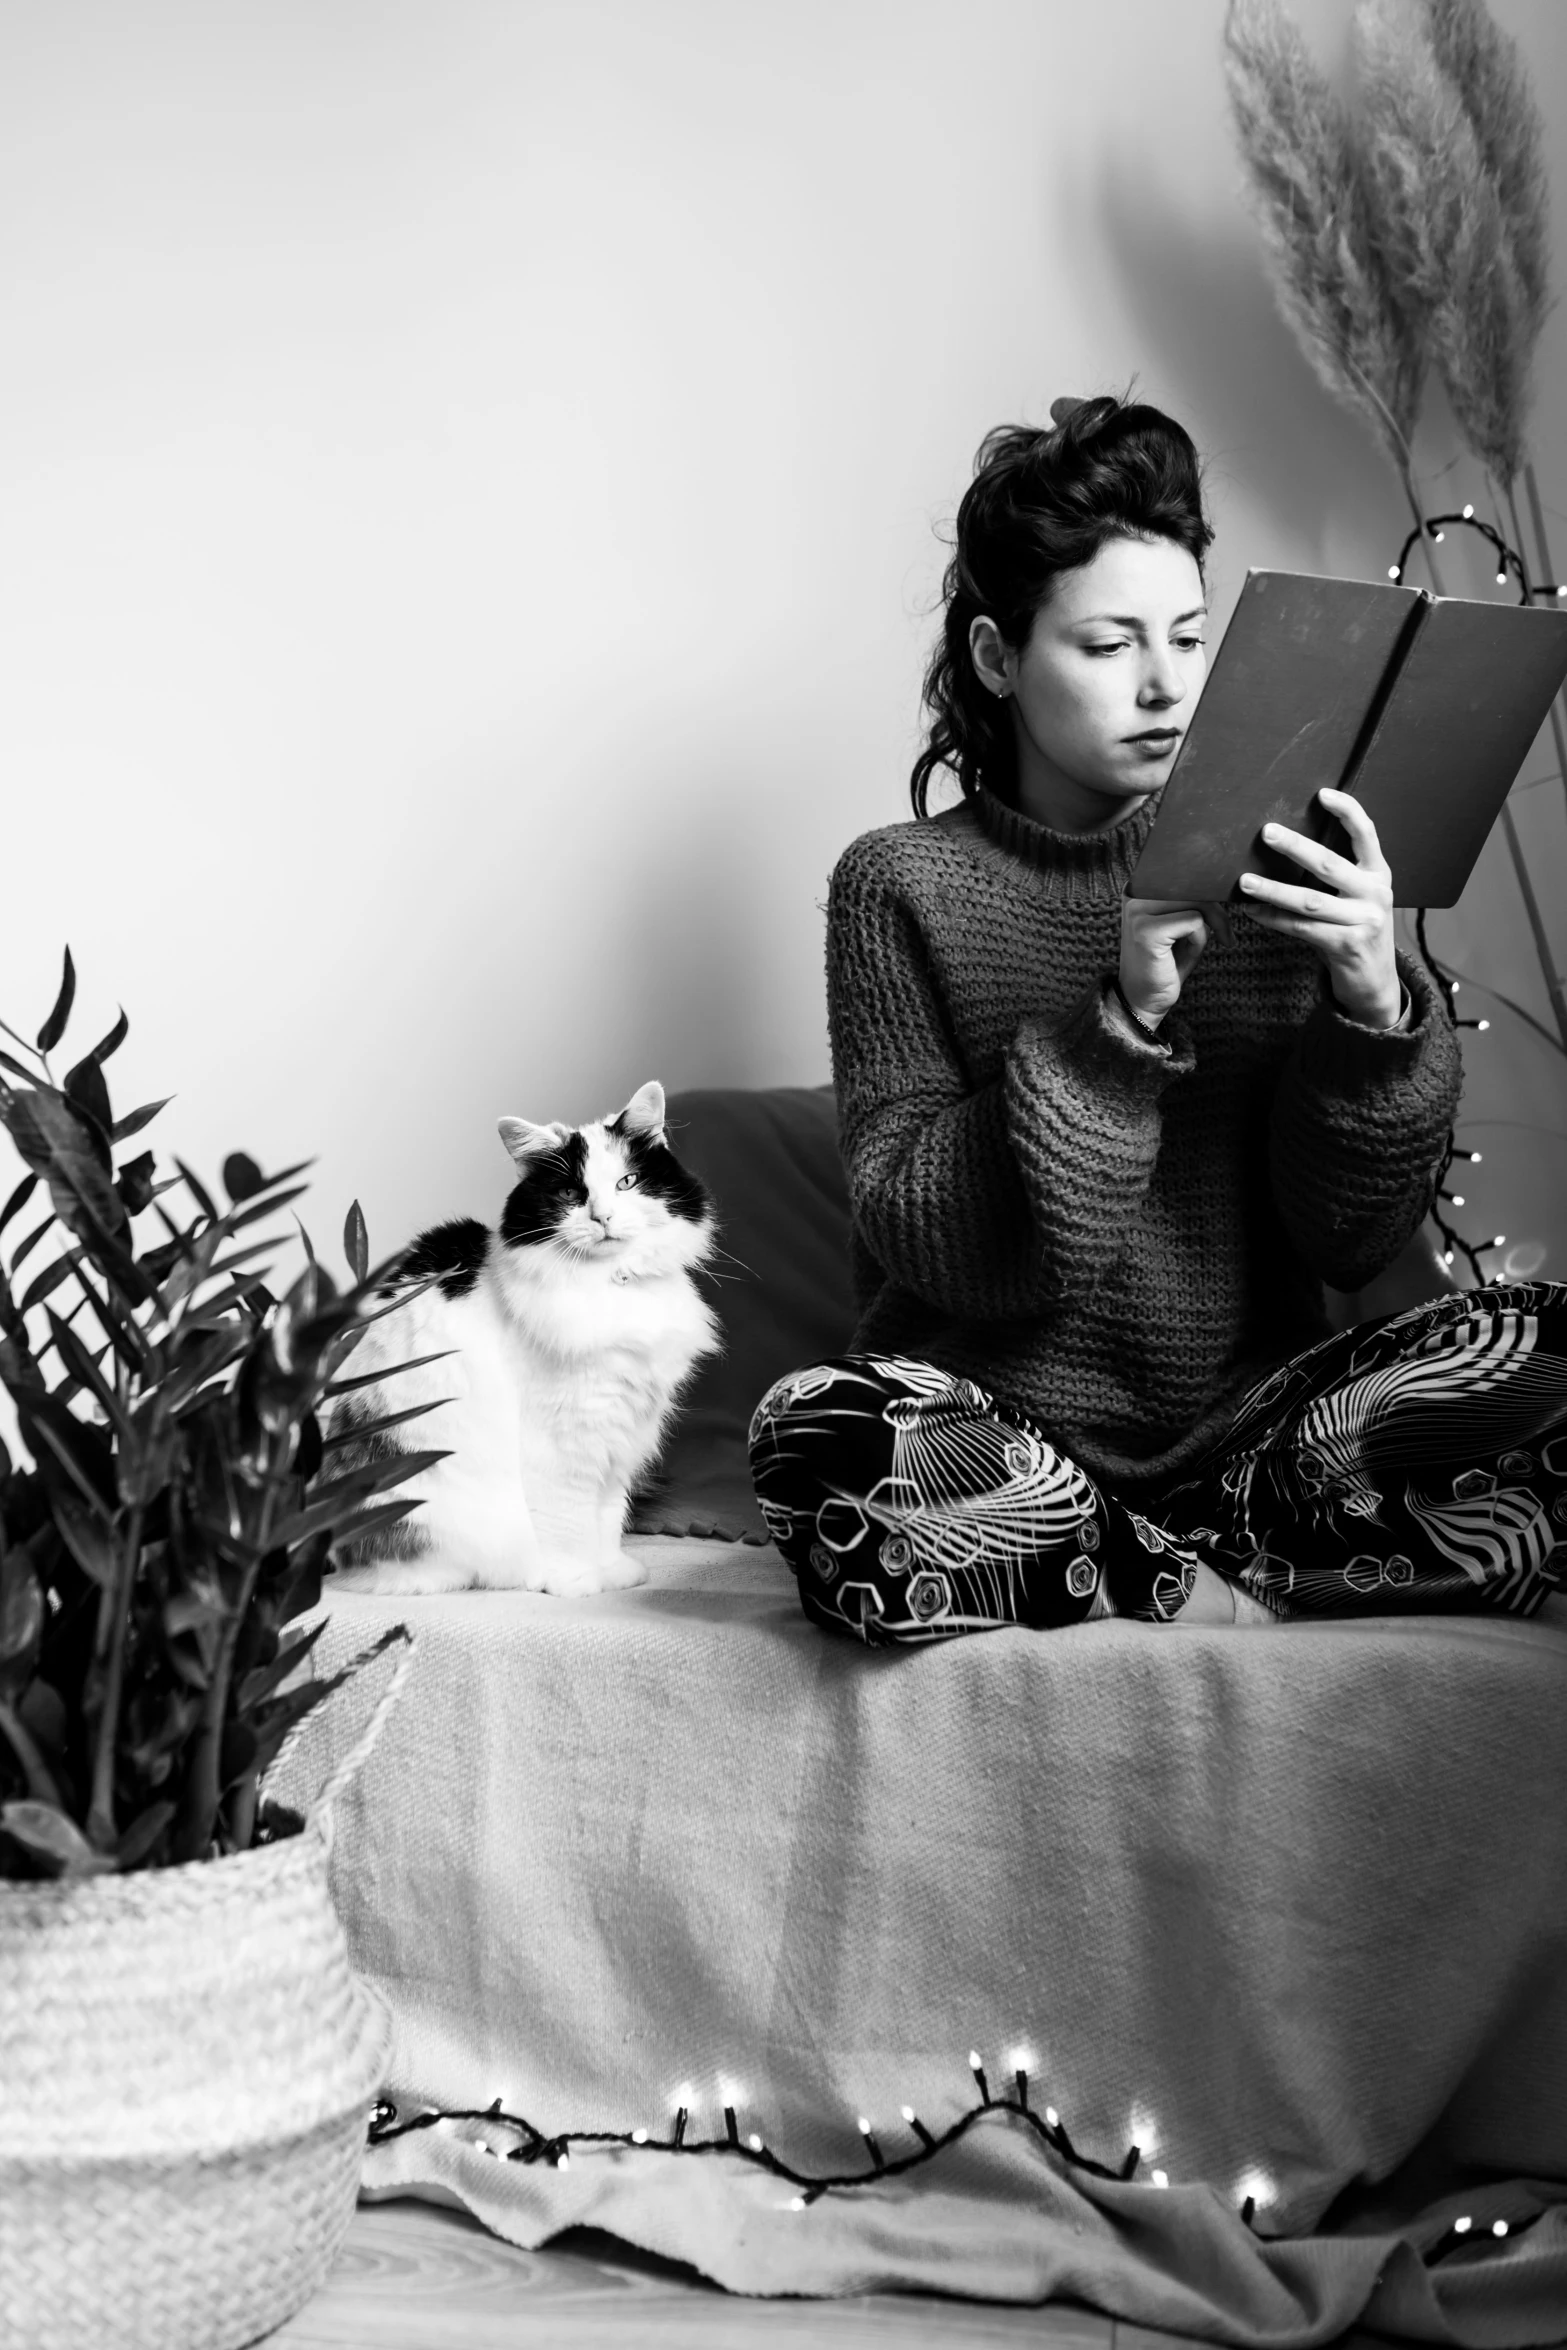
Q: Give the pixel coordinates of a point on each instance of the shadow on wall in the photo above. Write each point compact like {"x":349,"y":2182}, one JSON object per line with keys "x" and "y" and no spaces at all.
{"x":1199,"y":287}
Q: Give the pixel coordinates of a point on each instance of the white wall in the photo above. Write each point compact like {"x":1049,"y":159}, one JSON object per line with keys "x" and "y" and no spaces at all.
{"x":468,"y":484}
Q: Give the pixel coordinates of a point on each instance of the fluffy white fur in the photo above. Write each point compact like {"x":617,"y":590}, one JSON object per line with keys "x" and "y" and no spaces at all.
{"x":568,"y":1355}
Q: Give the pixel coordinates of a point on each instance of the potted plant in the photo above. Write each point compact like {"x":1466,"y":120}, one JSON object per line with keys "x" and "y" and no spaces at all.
{"x":186,"y":2063}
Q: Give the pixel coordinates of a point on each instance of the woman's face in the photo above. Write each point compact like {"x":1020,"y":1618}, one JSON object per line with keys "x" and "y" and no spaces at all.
{"x":1103,"y":690}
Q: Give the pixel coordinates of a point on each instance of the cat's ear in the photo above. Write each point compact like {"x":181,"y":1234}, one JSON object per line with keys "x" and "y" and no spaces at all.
{"x":643,"y":1114}
{"x":525,"y":1141}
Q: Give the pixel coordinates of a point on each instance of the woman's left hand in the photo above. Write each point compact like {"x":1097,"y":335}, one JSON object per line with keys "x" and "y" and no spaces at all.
{"x":1351,"y":931}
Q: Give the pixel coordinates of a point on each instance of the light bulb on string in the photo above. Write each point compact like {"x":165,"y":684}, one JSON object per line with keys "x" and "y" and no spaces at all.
{"x":1393,"y":571}
{"x":1498,"y":2227}
{"x":1469,"y":514}
{"x":1461,"y":2227}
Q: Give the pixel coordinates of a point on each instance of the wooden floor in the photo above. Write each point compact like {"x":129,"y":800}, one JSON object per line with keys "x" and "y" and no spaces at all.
{"x":412,"y":2277}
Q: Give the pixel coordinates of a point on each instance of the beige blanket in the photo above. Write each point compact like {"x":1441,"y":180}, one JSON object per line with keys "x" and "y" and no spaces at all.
{"x":1287,"y":1909}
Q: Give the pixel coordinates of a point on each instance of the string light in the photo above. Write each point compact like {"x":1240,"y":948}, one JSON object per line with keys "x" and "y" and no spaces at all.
{"x":1465,"y":2227}
{"x":1255,"y":2187}
{"x":533,"y":2145}
{"x":1509,"y":562}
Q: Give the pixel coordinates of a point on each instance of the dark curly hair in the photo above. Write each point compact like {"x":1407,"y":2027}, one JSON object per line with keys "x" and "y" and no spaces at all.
{"x":1043,"y":502}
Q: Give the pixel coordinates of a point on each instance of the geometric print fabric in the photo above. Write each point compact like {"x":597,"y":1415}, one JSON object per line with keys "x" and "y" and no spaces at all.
{"x":1412,"y":1465}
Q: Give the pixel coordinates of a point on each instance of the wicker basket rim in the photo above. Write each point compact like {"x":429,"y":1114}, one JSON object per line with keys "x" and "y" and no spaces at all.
{"x":117,"y":1890}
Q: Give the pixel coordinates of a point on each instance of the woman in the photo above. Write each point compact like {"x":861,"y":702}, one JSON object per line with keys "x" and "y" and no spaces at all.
{"x":1103,"y":1153}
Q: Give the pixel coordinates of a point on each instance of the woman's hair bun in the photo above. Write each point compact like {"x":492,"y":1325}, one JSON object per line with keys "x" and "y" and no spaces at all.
{"x":1042,"y":502}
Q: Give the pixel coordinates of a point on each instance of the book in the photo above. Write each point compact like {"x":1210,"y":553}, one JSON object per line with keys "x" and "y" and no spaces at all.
{"x":1423,"y":706}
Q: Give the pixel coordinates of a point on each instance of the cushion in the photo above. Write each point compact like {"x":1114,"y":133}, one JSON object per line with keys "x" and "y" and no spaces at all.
{"x":1282,"y":1908}
{"x":780,"y":1288}
{"x":782,"y":1294}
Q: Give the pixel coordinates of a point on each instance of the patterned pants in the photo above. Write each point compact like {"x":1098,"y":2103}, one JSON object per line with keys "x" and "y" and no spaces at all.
{"x":1417,"y":1464}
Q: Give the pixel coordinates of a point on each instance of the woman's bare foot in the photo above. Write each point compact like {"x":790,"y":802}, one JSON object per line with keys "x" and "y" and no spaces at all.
{"x":1214,"y":1601}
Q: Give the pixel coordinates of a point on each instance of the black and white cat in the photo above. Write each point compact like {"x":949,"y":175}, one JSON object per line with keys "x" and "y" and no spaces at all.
{"x":574,"y":1325}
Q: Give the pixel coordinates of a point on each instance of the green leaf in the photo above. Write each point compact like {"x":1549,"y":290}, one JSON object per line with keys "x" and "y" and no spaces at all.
{"x":135,"y":1183}
{"x":199,"y":1604}
{"x":198,"y":1191}
{"x":330,"y":1504}
{"x":89,"y":1542}
{"x":135,"y":1120}
{"x":265,"y":1678}
{"x":48,"y":1280}
{"x":87,"y":1089}
{"x":374,"y":1378}
{"x":242,"y":1178}
{"x":106,"y":1046}
{"x":26,"y":1247}
{"x":356,"y":1242}
{"x":142,"y":1834}
{"x":82,"y":1366}
{"x":18,"y":1200}
{"x":386,"y":1513}
{"x":52,"y":1839}
{"x":261,"y":1208}
{"x":41,"y":1782}
{"x":59,"y":1441}
{"x":361,"y":1432}
{"x":54,"y":1027}
{"x":9,"y":1061}
{"x":22,"y":1615}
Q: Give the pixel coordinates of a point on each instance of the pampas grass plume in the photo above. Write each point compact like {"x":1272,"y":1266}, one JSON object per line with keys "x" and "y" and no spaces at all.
{"x":1438,"y":218}
{"x":1484,"y":67}
{"x":1296,"y":143}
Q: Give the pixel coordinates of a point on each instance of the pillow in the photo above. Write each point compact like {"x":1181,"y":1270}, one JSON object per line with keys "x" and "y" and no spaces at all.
{"x":780,"y":1288}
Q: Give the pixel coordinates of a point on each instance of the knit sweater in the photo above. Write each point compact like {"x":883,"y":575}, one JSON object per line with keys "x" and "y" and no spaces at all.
{"x":1119,"y":1232}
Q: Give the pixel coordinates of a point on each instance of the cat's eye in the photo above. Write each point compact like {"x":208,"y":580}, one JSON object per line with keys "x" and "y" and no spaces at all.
{"x":627,"y":1183}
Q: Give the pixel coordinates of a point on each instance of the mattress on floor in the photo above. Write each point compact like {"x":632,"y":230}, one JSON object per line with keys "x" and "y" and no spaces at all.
{"x":1286,"y":1910}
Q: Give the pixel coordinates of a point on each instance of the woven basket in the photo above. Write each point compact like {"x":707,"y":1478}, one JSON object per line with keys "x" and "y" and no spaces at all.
{"x":186,"y":2070}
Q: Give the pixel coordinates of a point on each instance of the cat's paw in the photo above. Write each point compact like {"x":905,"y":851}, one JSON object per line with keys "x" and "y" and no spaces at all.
{"x":395,"y":1578}
{"x":621,"y":1572}
{"x":580,"y":1579}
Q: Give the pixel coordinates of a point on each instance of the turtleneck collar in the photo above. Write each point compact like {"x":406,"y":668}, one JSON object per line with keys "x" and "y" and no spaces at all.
{"x":1078,"y":868}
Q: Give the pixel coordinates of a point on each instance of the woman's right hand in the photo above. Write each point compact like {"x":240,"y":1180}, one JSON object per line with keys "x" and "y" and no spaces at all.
{"x":1161,"y":941}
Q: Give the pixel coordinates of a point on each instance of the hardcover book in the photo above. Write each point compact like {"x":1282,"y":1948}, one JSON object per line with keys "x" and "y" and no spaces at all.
{"x":1423,"y":706}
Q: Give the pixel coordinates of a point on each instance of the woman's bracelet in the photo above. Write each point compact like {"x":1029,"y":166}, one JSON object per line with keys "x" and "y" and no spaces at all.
{"x":1138,"y":1022}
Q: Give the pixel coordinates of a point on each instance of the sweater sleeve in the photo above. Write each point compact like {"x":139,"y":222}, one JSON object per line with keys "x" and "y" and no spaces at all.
{"x":999,"y":1200}
{"x":1359,"y":1132}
